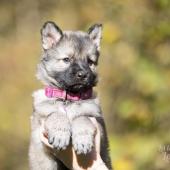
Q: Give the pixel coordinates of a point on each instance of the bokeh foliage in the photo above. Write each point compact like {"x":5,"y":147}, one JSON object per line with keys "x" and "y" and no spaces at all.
{"x":134,"y":67}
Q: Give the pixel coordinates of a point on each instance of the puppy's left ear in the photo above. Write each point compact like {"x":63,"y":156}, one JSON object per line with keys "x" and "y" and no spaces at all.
{"x":95,"y":33}
{"x":51,"y":34}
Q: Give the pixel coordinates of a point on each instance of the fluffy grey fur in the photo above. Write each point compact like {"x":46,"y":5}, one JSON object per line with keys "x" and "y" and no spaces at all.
{"x":68,"y":62}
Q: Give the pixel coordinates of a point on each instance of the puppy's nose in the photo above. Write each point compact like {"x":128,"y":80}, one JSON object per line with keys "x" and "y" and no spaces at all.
{"x":81,"y":74}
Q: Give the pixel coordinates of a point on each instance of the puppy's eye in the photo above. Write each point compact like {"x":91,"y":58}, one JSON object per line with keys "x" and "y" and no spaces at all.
{"x":66,"y":60}
{"x":90,"y":62}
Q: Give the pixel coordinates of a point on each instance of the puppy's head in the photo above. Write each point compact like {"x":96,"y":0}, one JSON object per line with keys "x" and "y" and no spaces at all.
{"x":69,"y":58}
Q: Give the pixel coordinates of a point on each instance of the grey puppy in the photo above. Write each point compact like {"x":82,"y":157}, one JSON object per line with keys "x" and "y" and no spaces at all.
{"x":68,"y":63}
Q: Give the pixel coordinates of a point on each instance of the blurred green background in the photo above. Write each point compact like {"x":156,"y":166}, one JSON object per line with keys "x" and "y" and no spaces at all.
{"x":134,"y":67}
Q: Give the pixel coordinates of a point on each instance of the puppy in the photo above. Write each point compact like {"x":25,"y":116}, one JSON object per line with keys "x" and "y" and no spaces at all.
{"x":68,"y":71}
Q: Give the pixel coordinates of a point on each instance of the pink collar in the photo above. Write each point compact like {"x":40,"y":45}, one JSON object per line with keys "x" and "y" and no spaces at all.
{"x":52,"y":92}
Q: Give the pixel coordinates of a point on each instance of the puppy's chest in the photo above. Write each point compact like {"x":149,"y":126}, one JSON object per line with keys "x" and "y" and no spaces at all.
{"x":50,"y":106}
{"x":44,"y":106}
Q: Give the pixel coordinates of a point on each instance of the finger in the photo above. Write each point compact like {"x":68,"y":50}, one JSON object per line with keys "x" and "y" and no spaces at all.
{"x":98,"y":134}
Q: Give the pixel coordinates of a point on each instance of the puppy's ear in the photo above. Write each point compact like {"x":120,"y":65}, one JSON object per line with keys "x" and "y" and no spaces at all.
{"x":51,"y":34}
{"x":95,"y":32}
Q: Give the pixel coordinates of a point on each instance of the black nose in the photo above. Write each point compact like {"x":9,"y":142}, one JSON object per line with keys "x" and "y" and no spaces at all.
{"x":81,"y":74}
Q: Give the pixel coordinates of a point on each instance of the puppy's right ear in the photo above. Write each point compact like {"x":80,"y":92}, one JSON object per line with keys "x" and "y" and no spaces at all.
{"x":51,"y":34}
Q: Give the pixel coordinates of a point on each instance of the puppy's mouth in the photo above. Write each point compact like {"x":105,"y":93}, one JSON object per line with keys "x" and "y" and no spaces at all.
{"x":78,"y":87}
{"x":71,"y":84}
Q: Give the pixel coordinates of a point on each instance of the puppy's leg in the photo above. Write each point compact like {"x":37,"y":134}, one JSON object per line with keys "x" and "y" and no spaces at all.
{"x":83,"y":132}
{"x":40,"y":159}
{"x":104,"y":144}
{"x":59,"y":130}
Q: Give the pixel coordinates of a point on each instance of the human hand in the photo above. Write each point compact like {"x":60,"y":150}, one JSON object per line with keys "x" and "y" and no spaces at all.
{"x":90,"y":161}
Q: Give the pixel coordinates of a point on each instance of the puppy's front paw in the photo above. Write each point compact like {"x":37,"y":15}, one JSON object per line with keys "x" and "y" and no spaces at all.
{"x":83,"y":132}
{"x":83,"y":142}
{"x":60,"y":138}
{"x":59,"y":131}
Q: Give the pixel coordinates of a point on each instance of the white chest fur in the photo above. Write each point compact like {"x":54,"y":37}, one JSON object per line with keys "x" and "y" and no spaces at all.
{"x":45,"y":106}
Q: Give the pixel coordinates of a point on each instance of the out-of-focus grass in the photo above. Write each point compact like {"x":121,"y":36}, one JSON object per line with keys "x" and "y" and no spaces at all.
{"x":135,"y":151}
